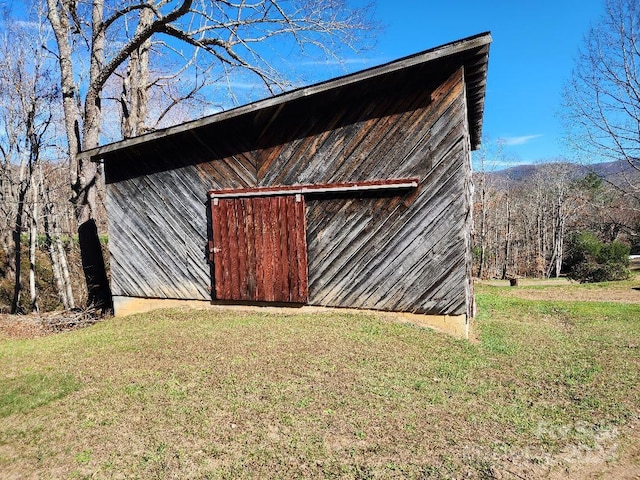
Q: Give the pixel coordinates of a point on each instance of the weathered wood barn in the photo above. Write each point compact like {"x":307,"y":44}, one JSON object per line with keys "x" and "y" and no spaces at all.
{"x":355,"y":192}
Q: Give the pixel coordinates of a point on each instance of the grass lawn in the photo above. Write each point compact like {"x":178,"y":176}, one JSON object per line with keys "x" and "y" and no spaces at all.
{"x":547,"y":386}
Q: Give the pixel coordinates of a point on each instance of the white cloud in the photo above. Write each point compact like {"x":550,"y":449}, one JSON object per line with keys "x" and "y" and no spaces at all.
{"x":239,"y":85}
{"x":26,"y":25}
{"x":498,"y":164}
{"x":510,"y":141}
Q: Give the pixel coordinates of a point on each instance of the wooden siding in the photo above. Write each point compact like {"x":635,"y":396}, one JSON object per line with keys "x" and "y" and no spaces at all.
{"x":403,"y":253}
{"x":406,"y":252}
{"x":260,"y":249}
{"x":158,"y":219}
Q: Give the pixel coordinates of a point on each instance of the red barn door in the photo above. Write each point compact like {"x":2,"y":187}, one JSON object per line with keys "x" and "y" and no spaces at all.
{"x":260,"y":248}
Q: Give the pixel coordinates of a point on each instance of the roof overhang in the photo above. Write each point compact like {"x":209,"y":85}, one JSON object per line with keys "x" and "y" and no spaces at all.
{"x":471,"y":53}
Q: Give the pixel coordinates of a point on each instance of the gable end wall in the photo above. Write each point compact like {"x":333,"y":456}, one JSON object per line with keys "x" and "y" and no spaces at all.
{"x":407,"y":253}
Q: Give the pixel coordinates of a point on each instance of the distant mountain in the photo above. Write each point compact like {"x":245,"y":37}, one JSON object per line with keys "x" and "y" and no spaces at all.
{"x":610,"y":171}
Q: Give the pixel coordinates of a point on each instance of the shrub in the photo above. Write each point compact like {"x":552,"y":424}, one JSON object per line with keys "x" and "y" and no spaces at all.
{"x":591,"y":260}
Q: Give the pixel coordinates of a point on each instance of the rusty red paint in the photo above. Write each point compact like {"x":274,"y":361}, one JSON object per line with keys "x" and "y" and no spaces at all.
{"x":260,"y":249}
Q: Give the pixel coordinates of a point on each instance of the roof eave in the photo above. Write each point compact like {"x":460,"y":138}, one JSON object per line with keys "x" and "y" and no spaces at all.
{"x":477,"y":46}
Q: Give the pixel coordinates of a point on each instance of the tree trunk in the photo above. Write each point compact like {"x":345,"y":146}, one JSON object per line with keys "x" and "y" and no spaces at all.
{"x":136,"y":83}
{"x":85,"y":175}
{"x":7,"y":199}
{"x":540,"y":260}
{"x":559,"y":242}
{"x":64,"y":266}
{"x":483,"y":230}
{"x":496,"y":243}
{"x":53,"y":256}
{"x":17,"y":259}
{"x":507,"y":241}
{"x":17,"y":234}
{"x":99,"y":293}
{"x":56,"y":251}
{"x":555,"y":265}
{"x":33,"y":239}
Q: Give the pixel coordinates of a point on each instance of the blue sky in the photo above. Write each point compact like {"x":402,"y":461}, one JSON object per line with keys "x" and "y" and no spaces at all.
{"x":531,"y":57}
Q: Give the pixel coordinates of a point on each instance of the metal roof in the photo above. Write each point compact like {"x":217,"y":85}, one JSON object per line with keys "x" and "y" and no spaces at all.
{"x":471,"y":53}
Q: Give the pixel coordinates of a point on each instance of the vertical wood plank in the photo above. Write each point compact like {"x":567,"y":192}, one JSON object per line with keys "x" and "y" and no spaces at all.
{"x":217,"y":241}
{"x":283,"y":252}
{"x":219,"y":236}
{"x":234,"y":249}
{"x":259,"y":242}
{"x":260,"y":250}
{"x":294,"y":280}
{"x":268,"y":260}
{"x":250,"y":234}
{"x":301,"y":251}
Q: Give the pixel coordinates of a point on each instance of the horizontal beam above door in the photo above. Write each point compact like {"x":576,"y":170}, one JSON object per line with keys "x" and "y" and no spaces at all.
{"x":366,"y":186}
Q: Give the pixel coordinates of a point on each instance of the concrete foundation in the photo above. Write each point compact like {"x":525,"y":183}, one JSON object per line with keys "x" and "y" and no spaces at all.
{"x":455,"y":325}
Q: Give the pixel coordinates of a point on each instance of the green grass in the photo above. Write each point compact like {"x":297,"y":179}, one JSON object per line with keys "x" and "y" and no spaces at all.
{"x":32,"y":390}
{"x":580,"y":355}
{"x":204,"y":394}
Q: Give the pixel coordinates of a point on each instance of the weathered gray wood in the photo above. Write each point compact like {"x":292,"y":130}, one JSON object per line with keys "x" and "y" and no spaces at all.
{"x":158,"y":230}
{"x":407,"y":251}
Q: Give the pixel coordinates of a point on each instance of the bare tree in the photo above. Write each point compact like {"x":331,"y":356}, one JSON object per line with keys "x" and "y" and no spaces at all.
{"x":507,"y":236}
{"x":237,"y":36}
{"x":53,"y":240}
{"x":33,"y":241}
{"x":26,"y":94}
{"x":602,"y":100}
{"x":485,"y":161}
{"x":530,"y":213}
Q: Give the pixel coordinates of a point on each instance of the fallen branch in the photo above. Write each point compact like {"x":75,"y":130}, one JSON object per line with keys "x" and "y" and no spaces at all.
{"x":54,"y":322}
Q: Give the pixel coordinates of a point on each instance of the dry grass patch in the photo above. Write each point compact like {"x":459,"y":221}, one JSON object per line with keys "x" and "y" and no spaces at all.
{"x":562,"y":289}
{"x":202,"y":394}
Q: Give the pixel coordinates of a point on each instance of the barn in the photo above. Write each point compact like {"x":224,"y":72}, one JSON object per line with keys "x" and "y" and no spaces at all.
{"x":355,"y":192}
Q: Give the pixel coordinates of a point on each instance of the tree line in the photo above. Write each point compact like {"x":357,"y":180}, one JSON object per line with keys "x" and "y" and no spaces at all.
{"x":563,"y":219}
{"x":526,"y":225}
